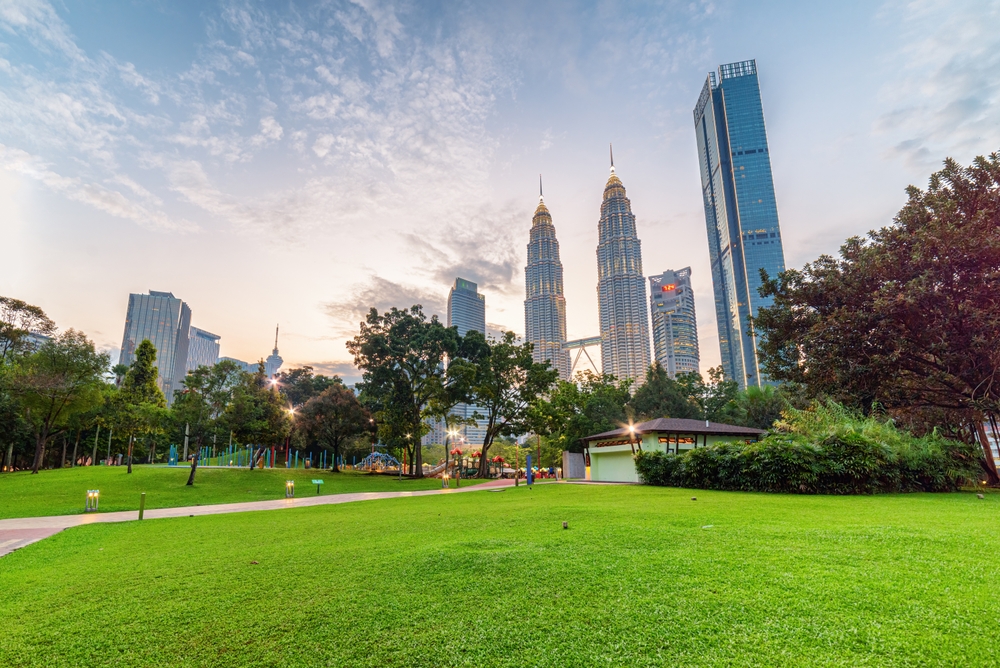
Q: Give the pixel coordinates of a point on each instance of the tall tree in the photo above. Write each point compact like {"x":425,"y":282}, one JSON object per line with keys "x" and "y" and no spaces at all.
{"x":402,"y":355}
{"x":141,"y":404}
{"x":717,"y":398}
{"x":507,"y":383}
{"x":332,"y":418}
{"x":258,"y":413}
{"x":662,"y":396}
{"x":301,"y":384}
{"x":61,"y":378}
{"x":588,"y":405}
{"x":906,"y":318}
{"x":761,"y":407}
{"x":18,"y":320}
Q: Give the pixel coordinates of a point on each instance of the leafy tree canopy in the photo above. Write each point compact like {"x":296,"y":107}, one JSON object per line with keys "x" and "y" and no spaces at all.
{"x":662,"y":396}
{"x":908,"y":317}
{"x":18,"y":319}
{"x":300,"y":385}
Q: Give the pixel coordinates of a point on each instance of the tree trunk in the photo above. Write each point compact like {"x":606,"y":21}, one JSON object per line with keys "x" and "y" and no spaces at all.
{"x":336,"y":455}
{"x":10,"y":457}
{"x":194,"y":467}
{"x":39,"y":450}
{"x":991,"y":466}
{"x":72,"y":463}
{"x":484,"y":460}
{"x":62,"y":461}
{"x":93,"y":457}
{"x":131,"y":440}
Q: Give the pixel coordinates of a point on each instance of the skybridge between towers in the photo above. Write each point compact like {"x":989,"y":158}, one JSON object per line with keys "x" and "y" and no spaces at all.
{"x":581,"y":346}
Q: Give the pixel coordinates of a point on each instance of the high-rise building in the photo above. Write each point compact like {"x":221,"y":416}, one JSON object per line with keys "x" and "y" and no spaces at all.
{"x":466,"y":307}
{"x":203,"y":349}
{"x":621,"y":287}
{"x":741,"y":213}
{"x":467,"y":311}
{"x":166,"y":321}
{"x":273,"y":361}
{"x":544,"y":303}
{"x":675,"y":327}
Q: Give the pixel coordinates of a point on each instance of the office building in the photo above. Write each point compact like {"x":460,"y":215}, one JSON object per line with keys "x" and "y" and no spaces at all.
{"x":249,"y":367}
{"x":675,"y":327}
{"x":203,"y":349}
{"x":741,"y":214}
{"x":544,"y":303}
{"x":166,"y":321}
{"x":467,"y":311}
{"x":621,"y":287}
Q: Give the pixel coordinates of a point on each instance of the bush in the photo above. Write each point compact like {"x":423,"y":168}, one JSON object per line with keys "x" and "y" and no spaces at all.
{"x":825,"y":449}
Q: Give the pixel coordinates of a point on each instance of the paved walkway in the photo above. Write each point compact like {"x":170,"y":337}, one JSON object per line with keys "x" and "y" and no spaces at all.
{"x":17,"y":532}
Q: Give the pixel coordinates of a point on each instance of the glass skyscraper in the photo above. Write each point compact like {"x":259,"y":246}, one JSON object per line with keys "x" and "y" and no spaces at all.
{"x":467,"y":311}
{"x":544,"y":303}
{"x":621,"y":287}
{"x":675,"y":327}
{"x":741,"y":213}
{"x":166,"y":321}
{"x":203,"y":349}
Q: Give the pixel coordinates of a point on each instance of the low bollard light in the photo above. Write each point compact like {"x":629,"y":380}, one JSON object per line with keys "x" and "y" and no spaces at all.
{"x":289,"y":489}
{"x":93,"y":496}
{"x":444,"y":481}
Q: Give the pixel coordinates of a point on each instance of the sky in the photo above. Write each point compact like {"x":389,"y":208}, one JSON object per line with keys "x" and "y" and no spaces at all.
{"x":300,"y":162}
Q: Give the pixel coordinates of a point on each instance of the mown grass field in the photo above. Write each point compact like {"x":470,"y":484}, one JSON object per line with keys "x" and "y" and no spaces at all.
{"x":643,"y":577}
{"x":63,"y":491}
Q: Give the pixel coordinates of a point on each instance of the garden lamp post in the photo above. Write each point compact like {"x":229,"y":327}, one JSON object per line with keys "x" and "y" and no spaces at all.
{"x":289,"y":489}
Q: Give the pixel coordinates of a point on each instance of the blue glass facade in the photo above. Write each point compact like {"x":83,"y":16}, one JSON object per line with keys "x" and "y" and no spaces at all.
{"x":741,"y":214}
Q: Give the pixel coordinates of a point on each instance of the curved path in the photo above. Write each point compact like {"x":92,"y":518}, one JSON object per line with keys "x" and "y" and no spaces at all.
{"x":18,"y":532}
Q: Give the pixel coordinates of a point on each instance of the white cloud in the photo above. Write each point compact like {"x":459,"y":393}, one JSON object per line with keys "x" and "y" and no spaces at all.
{"x":944,"y":96}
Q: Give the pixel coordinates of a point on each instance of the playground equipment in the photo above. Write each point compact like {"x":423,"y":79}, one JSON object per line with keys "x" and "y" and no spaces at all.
{"x":379,"y":461}
{"x":172,"y":459}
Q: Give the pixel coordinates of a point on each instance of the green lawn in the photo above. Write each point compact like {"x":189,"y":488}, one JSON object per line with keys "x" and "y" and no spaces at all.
{"x":643,"y":577}
{"x":63,"y":491}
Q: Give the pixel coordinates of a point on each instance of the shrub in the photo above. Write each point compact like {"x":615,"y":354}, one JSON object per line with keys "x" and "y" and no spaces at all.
{"x":825,"y":449}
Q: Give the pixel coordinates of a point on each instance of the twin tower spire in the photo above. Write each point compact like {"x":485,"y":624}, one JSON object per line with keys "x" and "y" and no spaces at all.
{"x":621,"y":288}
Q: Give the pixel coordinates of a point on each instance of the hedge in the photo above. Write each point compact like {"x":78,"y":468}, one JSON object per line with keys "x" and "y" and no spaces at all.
{"x":823,"y":450}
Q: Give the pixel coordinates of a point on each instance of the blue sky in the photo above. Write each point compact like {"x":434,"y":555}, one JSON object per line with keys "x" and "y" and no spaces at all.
{"x":296,"y":162}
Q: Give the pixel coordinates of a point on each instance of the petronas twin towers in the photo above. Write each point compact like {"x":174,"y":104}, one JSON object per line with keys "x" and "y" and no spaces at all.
{"x":544,"y":303}
{"x":621,"y":289}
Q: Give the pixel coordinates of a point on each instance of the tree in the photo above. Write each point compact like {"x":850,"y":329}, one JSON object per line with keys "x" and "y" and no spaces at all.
{"x":662,"y":396}
{"x":140,"y":401}
{"x":906,"y":318}
{"x":402,"y":355}
{"x":506,"y":384}
{"x":201,"y":405}
{"x":258,"y":413}
{"x":716,"y":399}
{"x":61,"y":378}
{"x":591,"y":404}
{"x":300,"y":385}
{"x":18,"y":320}
{"x":761,"y":407}
{"x":332,"y":418}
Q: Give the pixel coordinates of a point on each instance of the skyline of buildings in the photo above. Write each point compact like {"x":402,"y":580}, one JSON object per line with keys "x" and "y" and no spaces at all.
{"x":743,"y":234}
{"x":544,"y":302}
{"x":741,"y":213}
{"x":180,"y":347}
{"x":621,"y":287}
{"x":675,"y":325}
{"x":166,"y":321}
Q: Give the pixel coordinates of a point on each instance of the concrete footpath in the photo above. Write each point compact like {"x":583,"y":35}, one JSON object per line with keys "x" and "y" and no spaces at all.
{"x":17,"y":532}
